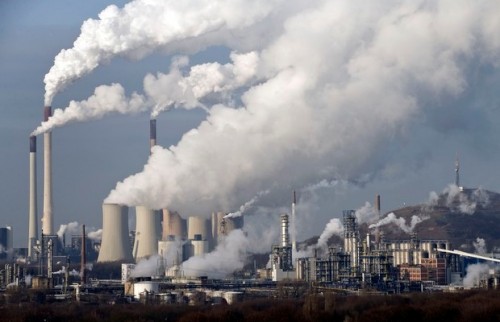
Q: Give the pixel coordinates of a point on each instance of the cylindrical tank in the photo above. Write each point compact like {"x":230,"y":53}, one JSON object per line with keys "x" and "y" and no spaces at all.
{"x":172,"y":225}
{"x":146,"y":241}
{"x":198,"y":226}
{"x":284,"y":230}
{"x":115,"y":244}
{"x":145,"y":287}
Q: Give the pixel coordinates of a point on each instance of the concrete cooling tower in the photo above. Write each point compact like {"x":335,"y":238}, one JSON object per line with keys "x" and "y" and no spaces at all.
{"x":146,"y":239}
{"x":223,"y":225}
{"x":115,"y":244}
{"x":198,"y":226}
{"x":172,"y":225}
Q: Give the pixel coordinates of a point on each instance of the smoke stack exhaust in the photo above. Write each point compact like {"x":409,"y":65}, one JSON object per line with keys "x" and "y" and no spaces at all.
{"x":32,"y":226}
{"x":293,"y":223}
{"x":152,"y":133}
{"x":47,"y":176}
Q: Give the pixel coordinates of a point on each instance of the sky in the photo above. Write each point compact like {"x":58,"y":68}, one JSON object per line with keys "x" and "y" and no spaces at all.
{"x":308,"y":98}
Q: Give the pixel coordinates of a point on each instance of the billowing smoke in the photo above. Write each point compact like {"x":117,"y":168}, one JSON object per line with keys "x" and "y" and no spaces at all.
{"x":144,"y":26}
{"x":479,"y":246}
{"x":106,"y":99}
{"x":400,"y":222}
{"x":147,"y":267}
{"x":95,"y":235}
{"x":72,"y":228}
{"x":458,"y":200}
{"x":366,"y":214}
{"x":475,"y":273}
{"x":334,"y":227}
{"x":176,"y":89}
{"x":229,"y":256}
{"x":334,"y":95}
{"x":246,"y":205}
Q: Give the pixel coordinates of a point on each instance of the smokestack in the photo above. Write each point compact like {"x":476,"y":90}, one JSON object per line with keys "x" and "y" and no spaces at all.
{"x":152,"y":133}
{"x":47,"y":176}
{"x":83,"y":274}
{"x":32,"y":221}
{"x":115,"y":244}
{"x":294,"y":231}
{"x":377,"y":230}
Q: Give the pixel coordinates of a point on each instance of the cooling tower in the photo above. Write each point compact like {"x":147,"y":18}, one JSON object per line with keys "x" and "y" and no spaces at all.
{"x":198,"y":226}
{"x":200,"y":246}
{"x":47,"y":177}
{"x":172,"y":225}
{"x":32,"y":226}
{"x":115,"y":244}
{"x":146,"y":241}
{"x":217,"y":218}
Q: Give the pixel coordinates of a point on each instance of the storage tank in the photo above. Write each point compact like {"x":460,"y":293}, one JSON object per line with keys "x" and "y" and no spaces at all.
{"x":145,"y":287}
{"x":115,"y":244}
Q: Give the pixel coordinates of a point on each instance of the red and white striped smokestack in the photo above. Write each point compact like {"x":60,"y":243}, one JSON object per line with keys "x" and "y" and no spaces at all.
{"x":47,"y":177}
{"x":32,"y":221}
{"x":152,"y":133}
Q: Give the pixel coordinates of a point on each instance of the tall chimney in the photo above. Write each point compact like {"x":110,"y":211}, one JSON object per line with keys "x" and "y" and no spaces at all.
{"x":152,"y":133}
{"x":47,"y":177}
{"x":83,"y":256}
{"x":293,"y":223}
{"x":32,"y":221}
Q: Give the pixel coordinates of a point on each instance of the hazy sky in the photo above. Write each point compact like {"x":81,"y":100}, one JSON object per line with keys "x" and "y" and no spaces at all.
{"x":89,"y":158}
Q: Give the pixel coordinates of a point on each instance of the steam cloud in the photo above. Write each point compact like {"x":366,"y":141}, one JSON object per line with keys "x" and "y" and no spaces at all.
{"x":479,"y":246}
{"x":246,"y":205}
{"x":143,"y":27}
{"x":475,"y":272}
{"x":229,"y":256}
{"x":326,"y":95}
{"x":459,"y":201}
{"x":400,"y":222}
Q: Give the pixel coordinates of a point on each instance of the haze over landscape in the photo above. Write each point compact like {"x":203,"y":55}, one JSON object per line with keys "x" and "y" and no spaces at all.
{"x":257,"y":101}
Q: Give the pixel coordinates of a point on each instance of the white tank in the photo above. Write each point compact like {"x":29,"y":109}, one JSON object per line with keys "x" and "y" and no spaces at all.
{"x":146,"y":241}
{"x":115,"y":244}
{"x":198,"y":226}
{"x":172,"y":225}
{"x":145,"y":287}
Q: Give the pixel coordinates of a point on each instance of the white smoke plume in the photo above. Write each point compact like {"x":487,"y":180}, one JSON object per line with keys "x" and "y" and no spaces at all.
{"x":72,"y":228}
{"x":176,"y":89}
{"x":145,"y":26}
{"x":400,"y":222}
{"x":475,"y":273}
{"x":479,"y":246}
{"x":328,"y":96}
{"x":146,"y":267}
{"x":246,"y":205}
{"x":106,"y":99}
{"x":332,"y":90}
{"x":459,"y":201}
{"x":229,"y":256}
{"x":366,"y":214}
{"x":334,"y":227}
{"x":95,"y":235}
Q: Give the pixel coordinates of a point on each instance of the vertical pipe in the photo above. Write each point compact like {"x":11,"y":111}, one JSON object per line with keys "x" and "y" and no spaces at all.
{"x":293,"y":223}
{"x":152,"y":133}
{"x":83,"y":256}
{"x":47,"y":177}
{"x":32,"y":221}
